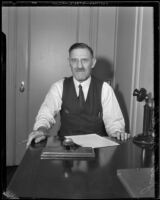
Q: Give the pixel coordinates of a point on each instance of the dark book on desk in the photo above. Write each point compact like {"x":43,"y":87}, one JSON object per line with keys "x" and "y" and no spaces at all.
{"x":56,"y":152}
{"x":139,"y":182}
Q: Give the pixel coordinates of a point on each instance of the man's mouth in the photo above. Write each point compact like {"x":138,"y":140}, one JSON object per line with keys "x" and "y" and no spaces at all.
{"x":80,"y":70}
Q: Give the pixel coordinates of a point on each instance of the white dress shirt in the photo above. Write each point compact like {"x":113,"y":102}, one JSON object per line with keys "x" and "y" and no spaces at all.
{"x":112,"y":115}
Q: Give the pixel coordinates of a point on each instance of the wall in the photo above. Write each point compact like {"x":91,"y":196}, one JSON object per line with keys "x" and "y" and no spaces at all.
{"x":124,"y":59}
{"x":52,"y":30}
{"x":134,"y":62}
{"x":146,"y":62}
{"x":104,"y":42}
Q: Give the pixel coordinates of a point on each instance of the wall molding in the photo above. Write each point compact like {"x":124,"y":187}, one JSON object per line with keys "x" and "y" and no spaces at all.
{"x":28,"y":64}
{"x":115,"y":48}
{"x":93,"y":28}
{"x":22,"y":73}
{"x":77,"y":27}
{"x":136,"y":68}
{"x":11,"y":62}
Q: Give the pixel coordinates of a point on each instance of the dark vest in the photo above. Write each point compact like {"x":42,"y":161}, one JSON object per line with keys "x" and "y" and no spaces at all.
{"x":73,"y":122}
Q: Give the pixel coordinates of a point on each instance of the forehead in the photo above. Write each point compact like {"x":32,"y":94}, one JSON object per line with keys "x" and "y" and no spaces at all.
{"x":80,"y":52}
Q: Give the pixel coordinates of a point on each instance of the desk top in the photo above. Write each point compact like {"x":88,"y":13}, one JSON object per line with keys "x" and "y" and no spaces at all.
{"x":78,"y":178}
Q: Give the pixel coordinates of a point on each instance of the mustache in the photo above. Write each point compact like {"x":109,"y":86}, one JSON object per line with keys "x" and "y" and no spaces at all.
{"x":80,"y":70}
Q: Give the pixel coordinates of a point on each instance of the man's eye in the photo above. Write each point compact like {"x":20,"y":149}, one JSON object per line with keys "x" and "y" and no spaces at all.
{"x":85,"y":60}
{"x":73,"y":60}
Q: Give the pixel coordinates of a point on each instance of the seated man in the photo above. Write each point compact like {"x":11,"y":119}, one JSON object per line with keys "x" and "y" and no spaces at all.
{"x":86,"y":104}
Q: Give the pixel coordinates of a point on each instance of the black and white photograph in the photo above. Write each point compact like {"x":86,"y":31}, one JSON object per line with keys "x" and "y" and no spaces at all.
{"x":79,"y":99}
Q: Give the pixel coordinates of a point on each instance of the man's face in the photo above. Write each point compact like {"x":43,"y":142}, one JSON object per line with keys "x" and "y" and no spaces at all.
{"x":81,"y":63}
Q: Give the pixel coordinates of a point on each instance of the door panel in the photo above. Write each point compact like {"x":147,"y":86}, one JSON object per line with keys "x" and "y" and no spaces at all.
{"x":21,"y":77}
{"x":52,"y":31}
{"x":8,"y":27}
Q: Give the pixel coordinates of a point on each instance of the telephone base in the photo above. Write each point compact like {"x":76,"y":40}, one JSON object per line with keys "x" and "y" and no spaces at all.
{"x":144,"y":140}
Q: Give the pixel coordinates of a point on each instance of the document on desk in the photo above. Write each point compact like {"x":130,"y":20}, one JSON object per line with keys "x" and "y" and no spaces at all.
{"x":92,"y":140}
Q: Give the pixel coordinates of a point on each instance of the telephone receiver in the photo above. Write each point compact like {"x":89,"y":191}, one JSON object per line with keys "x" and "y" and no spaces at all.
{"x":140,"y":94}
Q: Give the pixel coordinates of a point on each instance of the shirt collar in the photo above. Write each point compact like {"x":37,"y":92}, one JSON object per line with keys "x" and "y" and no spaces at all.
{"x":84,"y":83}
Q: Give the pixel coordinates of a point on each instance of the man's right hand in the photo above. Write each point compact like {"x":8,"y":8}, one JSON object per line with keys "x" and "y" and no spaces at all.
{"x":37,"y":136}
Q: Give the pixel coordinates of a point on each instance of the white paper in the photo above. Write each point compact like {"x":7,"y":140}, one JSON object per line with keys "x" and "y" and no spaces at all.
{"x":92,"y":140}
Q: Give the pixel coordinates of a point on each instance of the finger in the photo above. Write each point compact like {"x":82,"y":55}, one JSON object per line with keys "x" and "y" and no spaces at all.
{"x":38,"y":139}
{"x":33,"y":133}
{"x":118,"y":135}
{"x":114,"y":134}
{"x":32,"y":136}
{"x":122,"y":136}
{"x":29,"y":141}
{"x":128,"y":136}
{"x":125,"y":136}
{"x":36,"y":133}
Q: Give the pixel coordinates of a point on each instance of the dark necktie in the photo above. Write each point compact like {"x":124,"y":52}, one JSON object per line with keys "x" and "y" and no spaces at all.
{"x":81,"y":98}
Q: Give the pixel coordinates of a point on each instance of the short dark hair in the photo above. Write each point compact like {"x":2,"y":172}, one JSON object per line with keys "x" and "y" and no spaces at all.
{"x":81,"y":46}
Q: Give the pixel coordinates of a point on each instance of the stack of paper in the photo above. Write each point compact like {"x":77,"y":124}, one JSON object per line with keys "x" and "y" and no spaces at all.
{"x":92,"y":140}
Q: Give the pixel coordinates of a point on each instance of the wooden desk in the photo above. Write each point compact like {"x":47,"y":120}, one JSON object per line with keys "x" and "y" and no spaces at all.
{"x":92,"y":178}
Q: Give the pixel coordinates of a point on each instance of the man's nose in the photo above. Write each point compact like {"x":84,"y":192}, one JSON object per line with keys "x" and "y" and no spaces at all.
{"x":80,"y":64}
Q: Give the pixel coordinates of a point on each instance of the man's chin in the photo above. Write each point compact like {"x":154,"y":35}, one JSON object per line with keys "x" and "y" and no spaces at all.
{"x":81,"y":79}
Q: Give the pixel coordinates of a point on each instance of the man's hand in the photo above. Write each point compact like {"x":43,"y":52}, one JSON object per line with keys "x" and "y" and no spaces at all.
{"x":38,"y":136}
{"x":121,"y":135}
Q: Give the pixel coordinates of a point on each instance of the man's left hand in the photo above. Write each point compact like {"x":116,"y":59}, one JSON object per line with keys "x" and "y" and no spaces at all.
{"x":121,"y":135}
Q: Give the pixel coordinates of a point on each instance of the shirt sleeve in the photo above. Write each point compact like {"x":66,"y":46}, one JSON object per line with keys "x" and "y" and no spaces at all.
{"x":50,"y":106}
{"x":112,"y":115}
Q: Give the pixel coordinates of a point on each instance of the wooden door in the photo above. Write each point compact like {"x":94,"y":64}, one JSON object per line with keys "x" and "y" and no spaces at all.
{"x":15,"y":26}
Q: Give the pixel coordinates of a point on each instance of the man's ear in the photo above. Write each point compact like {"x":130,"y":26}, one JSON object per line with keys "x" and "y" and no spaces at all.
{"x":94,"y":62}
